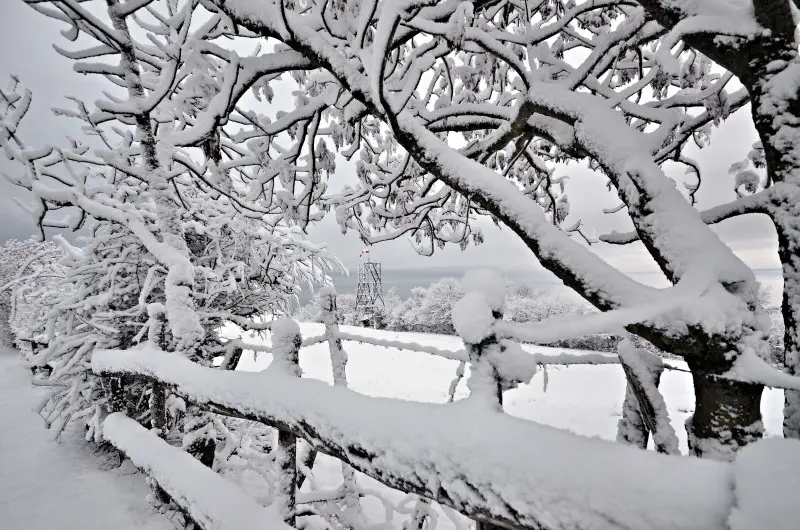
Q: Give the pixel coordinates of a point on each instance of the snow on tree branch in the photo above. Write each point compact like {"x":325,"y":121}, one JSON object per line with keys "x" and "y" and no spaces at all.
{"x":756,"y":203}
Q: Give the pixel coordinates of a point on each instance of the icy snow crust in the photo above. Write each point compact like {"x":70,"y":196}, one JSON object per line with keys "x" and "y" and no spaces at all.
{"x":523,"y":471}
{"x":211,"y":500}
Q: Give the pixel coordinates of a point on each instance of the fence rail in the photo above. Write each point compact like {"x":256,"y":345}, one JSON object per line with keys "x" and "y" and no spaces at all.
{"x":469,"y":456}
{"x":485,"y":464}
{"x":206,"y":497}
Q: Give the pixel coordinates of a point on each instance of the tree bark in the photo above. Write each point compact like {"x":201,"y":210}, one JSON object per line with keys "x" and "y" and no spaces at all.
{"x":287,"y":470}
{"x":727,"y":416}
{"x":158,"y":409}
{"x":790,"y":259}
{"x":203,"y":449}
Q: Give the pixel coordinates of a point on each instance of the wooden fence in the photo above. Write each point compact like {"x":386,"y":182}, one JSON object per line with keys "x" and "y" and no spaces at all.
{"x":426,"y":449}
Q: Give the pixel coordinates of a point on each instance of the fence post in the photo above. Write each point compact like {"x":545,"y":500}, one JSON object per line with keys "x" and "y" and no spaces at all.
{"x":643,"y":410}
{"x":473,"y":318}
{"x":339,"y":365}
{"x":157,"y":336}
{"x":286,"y":341}
{"x":631,"y":428}
{"x":116,"y":397}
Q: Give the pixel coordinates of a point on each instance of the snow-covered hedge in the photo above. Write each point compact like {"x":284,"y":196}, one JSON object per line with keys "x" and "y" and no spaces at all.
{"x":28,"y":270}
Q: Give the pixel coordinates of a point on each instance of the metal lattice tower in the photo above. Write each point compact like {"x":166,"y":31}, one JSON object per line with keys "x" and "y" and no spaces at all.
{"x":369,"y":293}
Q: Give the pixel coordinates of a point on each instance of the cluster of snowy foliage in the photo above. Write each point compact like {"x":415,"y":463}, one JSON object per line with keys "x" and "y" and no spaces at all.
{"x":428,"y":309}
{"x":28,"y":272}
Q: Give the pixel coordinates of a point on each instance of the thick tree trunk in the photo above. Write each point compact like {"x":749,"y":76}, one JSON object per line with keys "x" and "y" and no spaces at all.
{"x":769,"y":71}
{"x":788,"y":250}
{"x":727,"y":416}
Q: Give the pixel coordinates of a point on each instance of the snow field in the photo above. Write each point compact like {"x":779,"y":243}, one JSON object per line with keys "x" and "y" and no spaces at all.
{"x":584,"y":399}
{"x":49,"y":485}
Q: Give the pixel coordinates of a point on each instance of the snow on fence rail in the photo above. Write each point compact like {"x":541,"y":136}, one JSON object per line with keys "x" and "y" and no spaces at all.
{"x":483,"y":463}
{"x":469,"y":456}
{"x":205,"y":496}
{"x":563,"y":359}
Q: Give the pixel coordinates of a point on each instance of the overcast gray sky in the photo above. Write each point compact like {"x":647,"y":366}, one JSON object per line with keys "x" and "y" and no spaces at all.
{"x":26,"y":51}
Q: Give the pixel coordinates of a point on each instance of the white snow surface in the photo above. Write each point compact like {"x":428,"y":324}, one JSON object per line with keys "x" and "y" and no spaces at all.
{"x":767,"y":480}
{"x":488,"y":283}
{"x":472,"y":317}
{"x":47,"y":484}
{"x":583,"y":399}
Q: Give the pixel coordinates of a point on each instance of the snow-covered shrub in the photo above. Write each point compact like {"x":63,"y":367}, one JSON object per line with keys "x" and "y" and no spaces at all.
{"x":527,"y":303}
{"x":27,"y":272}
{"x":309,"y":312}
{"x":429,"y":309}
{"x":405,"y":315}
{"x":113,"y":279}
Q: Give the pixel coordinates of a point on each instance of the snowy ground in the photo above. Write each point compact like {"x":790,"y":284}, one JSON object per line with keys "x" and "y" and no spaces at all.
{"x":48,"y":485}
{"x":586,"y":400}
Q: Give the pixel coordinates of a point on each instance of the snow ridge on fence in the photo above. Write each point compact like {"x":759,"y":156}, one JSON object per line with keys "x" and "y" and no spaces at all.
{"x":468,"y":456}
{"x":486,"y":465}
{"x":208,"y":498}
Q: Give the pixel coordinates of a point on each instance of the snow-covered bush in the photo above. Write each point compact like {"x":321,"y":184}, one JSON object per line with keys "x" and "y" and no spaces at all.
{"x":429,"y":309}
{"x":526,"y":303}
{"x":27,"y":273}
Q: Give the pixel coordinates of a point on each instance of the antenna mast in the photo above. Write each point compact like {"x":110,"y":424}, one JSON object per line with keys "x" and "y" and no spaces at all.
{"x":369,"y":293}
